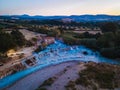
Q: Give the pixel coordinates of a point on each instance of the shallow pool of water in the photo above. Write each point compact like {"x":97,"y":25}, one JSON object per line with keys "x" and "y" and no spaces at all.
{"x":55,"y":54}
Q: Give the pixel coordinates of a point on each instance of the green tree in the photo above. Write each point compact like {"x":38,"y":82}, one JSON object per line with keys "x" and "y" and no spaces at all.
{"x":117,"y":39}
{"x":18,"y":37}
{"x":106,"y":40}
{"x":109,"y":27}
{"x":6,"y":42}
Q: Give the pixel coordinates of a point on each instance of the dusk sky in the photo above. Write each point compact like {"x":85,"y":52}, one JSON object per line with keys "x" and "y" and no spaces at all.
{"x":59,"y":7}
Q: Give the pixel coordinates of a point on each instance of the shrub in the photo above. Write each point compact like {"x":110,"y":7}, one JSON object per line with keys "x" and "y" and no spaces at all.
{"x":101,"y":74}
{"x":48,"y":82}
{"x":41,"y":89}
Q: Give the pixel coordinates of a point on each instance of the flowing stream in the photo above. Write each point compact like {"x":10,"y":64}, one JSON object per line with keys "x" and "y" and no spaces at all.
{"x":54,"y":54}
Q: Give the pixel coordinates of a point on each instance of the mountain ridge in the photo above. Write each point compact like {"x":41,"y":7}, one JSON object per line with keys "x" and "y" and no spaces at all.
{"x":77,"y":18}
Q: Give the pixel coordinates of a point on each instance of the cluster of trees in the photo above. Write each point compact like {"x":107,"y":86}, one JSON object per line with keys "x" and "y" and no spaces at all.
{"x":18,"y":38}
{"x":108,"y":43}
{"x":8,"y":41}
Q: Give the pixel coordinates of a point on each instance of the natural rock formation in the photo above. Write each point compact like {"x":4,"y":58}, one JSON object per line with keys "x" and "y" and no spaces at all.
{"x":13,"y":69}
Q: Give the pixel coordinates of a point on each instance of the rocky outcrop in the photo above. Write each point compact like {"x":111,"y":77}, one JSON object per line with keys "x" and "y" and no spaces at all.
{"x":11,"y":70}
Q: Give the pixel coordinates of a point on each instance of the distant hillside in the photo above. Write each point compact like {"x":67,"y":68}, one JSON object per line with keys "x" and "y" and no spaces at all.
{"x":77,"y":18}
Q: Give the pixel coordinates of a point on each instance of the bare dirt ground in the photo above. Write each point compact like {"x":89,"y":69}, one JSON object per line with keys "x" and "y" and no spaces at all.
{"x":64,"y":72}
